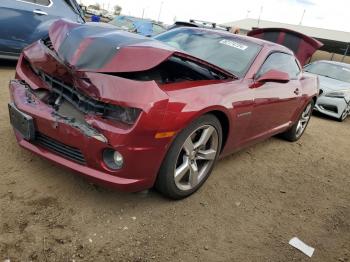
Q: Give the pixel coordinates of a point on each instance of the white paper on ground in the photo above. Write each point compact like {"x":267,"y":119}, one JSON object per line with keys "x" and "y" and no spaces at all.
{"x":298,"y":244}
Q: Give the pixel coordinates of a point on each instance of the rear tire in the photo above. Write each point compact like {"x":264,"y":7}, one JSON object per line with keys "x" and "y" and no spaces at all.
{"x":298,"y":129}
{"x":191,"y":158}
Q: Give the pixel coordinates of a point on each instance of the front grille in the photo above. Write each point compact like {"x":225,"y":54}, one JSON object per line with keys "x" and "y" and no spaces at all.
{"x":81,"y":101}
{"x":331,"y":108}
{"x":59,"y":148}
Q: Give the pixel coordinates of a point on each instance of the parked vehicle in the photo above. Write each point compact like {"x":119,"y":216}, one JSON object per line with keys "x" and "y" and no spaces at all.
{"x":22,"y":22}
{"x":199,"y":23}
{"x":140,"y":26}
{"x":334,"y":98}
{"x":93,"y":10}
{"x":108,"y":15}
{"x":134,"y":112}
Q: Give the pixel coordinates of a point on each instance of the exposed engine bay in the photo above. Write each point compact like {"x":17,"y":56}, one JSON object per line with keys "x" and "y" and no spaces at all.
{"x":173,"y":70}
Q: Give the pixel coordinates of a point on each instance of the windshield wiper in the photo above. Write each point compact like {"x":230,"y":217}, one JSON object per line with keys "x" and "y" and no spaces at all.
{"x":200,"y":69}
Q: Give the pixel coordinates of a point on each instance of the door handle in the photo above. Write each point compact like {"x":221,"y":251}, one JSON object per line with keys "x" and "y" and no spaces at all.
{"x":39,"y":12}
{"x":297,"y":91}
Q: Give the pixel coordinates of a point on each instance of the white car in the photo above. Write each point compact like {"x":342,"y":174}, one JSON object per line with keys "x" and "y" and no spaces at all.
{"x":334,"y":98}
{"x":93,"y":11}
{"x":110,"y":15}
{"x":107,"y":14}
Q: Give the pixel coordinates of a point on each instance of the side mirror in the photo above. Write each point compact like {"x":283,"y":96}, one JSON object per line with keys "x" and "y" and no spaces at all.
{"x":271,"y":76}
{"x":274,"y":76}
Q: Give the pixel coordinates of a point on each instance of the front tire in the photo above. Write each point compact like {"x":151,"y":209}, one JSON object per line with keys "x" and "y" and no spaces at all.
{"x":191,"y":158}
{"x":345,"y":113}
{"x":298,"y":129}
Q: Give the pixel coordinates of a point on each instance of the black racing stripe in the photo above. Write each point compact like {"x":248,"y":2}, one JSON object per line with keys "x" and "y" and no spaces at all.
{"x":97,"y":54}
{"x":104,"y":46}
{"x":103,"y":49}
{"x":73,"y":40}
{"x":292,"y":41}
{"x":271,"y":36}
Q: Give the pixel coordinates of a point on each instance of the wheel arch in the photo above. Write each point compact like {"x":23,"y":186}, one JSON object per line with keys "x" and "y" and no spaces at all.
{"x":178,"y":121}
{"x":222,"y":114}
{"x":225,"y":124}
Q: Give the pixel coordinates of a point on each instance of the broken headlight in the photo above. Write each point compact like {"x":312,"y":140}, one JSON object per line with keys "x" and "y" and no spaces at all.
{"x":126,"y":115}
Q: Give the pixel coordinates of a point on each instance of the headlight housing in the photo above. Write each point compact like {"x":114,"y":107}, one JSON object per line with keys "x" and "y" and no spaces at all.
{"x":339,"y":93}
{"x":127,"y":115}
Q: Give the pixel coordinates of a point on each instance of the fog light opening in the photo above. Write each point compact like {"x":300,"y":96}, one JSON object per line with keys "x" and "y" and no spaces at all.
{"x":113,"y":159}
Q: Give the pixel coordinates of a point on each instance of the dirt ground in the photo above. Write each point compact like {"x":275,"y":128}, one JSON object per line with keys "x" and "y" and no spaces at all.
{"x":252,"y":205}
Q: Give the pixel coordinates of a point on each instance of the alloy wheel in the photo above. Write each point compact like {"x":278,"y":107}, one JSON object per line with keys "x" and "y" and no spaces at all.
{"x":303,"y":121}
{"x":196,"y":157}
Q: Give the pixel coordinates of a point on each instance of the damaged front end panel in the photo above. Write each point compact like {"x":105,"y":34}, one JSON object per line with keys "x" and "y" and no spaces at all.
{"x":62,"y":112}
{"x":94,"y":90}
{"x":61,"y":93}
{"x":116,"y":90}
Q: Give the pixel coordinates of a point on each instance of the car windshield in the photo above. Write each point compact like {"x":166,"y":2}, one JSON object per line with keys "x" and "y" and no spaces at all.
{"x":225,"y":51}
{"x":125,"y":24}
{"x":334,"y":71}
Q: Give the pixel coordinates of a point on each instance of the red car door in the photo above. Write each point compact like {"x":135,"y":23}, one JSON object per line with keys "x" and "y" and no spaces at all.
{"x":275,"y":103}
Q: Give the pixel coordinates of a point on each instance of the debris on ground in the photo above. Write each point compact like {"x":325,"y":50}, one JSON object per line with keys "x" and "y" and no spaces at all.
{"x":298,"y":244}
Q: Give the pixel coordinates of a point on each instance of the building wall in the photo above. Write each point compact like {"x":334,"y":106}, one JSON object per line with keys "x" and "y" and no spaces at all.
{"x":323,"y":55}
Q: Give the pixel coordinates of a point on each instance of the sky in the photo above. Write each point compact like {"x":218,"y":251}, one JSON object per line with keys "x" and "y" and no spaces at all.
{"x":333,"y":14}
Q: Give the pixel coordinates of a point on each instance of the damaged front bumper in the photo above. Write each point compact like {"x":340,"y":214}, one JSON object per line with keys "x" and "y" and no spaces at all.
{"x":331,"y":106}
{"x":80,"y":149}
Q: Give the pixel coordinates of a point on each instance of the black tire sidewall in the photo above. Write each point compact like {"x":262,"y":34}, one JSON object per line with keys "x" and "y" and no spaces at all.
{"x":343,"y":117}
{"x":291,"y":134}
{"x":165,"y":181}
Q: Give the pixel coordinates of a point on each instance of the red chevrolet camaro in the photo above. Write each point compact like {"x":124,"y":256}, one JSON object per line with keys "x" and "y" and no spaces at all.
{"x":134,"y":112}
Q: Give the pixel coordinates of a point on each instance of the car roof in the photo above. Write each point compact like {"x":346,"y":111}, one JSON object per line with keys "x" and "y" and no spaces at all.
{"x":333,"y":63}
{"x":258,"y":41}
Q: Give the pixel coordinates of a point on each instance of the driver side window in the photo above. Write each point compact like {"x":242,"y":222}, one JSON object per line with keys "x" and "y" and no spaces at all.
{"x":282,"y":62}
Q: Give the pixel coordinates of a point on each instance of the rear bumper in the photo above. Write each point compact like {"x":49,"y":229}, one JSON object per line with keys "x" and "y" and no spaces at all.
{"x":141,"y":160}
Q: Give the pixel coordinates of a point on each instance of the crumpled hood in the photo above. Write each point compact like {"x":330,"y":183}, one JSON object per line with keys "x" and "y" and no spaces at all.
{"x":330,"y":84}
{"x":101,"y":48}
